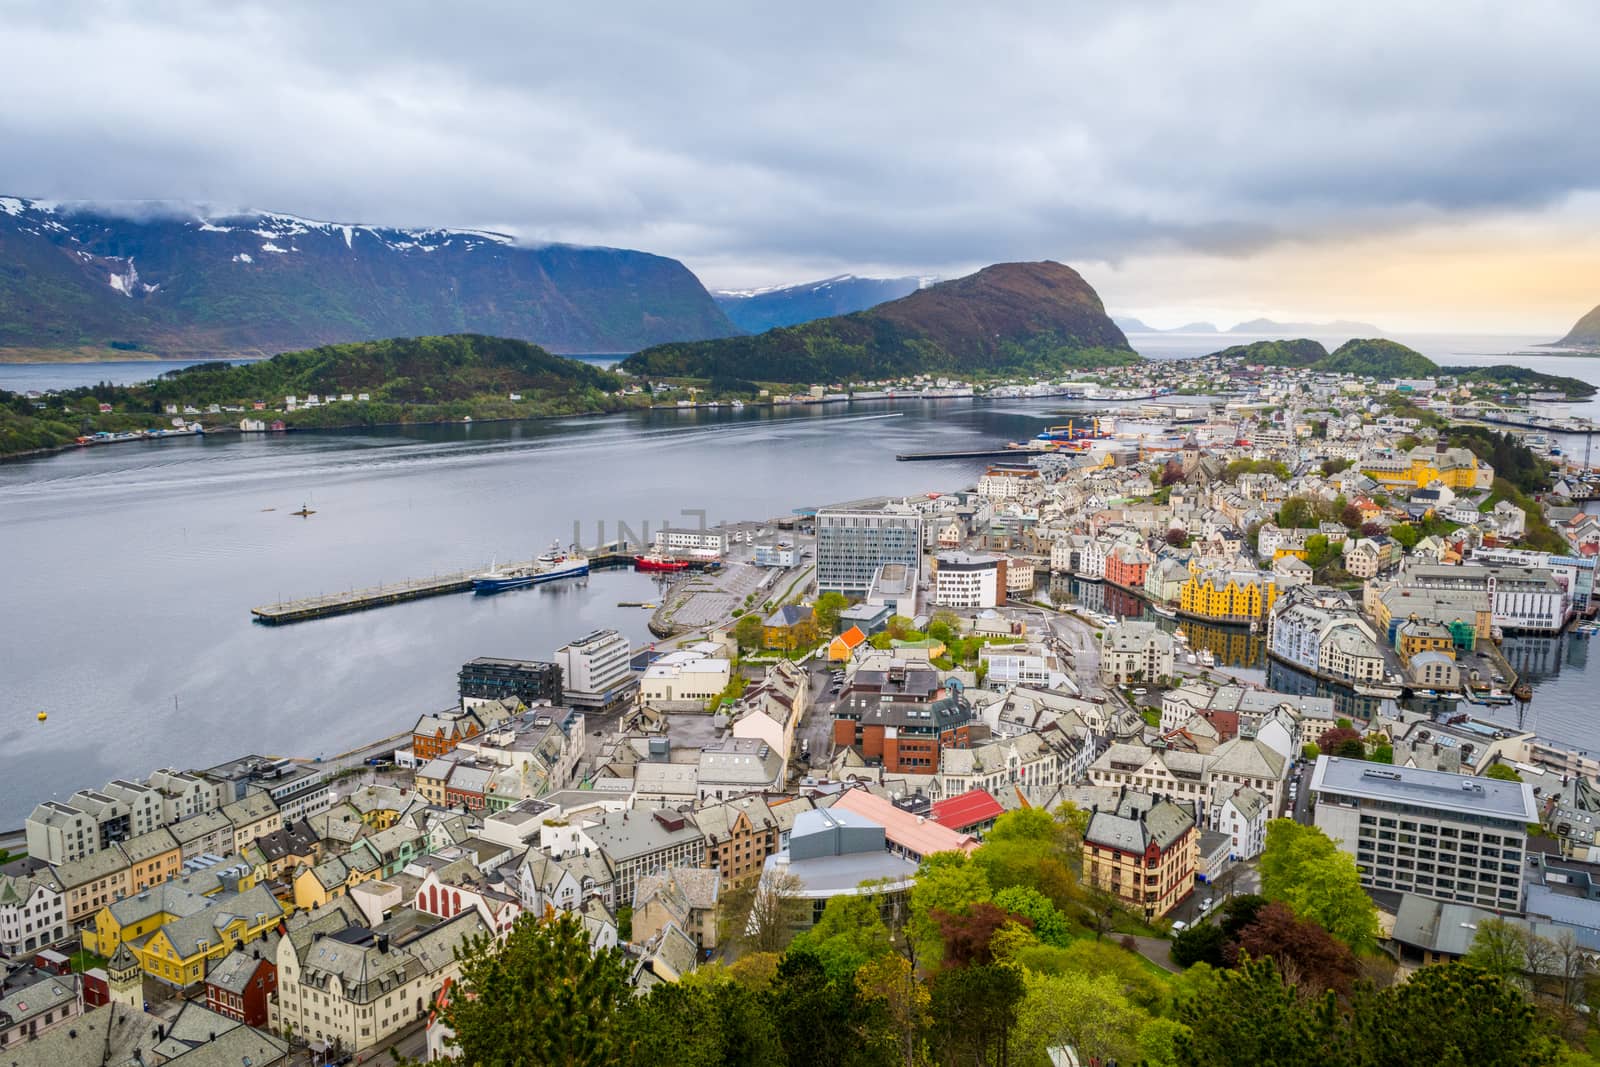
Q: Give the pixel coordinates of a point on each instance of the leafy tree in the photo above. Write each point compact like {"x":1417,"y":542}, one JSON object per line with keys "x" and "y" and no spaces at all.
{"x":1030,"y":847}
{"x":1302,"y":868}
{"x":1351,"y":517}
{"x":1088,"y":1012}
{"x":1318,"y":551}
{"x":826,"y":612}
{"x":818,"y":1019}
{"x":1330,"y":467}
{"x":947,"y":882}
{"x":968,"y":936}
{"x":1453,"y":1013}
{"x":974,"y":1011}
{"x":706,"y":1020}
{"x":850,"y":934}
{"x":1238,"y":912}
{"x":1381,"y":752}
{"x":1250,"y":1018}
{"x":1201,"y":943}
{"x":1499,"y":947}
{"x":748,"y":632}
{"x":1334,"y":742}
{"x":1160,"y":1040}
{"x":1043,"y":917}
{"x":1296,"y":513}
{"x":1176,"y":536}
{"x":1304,"y":952}
{"x":1406,"y":535}
{"x":1504,"y":772}
{"x":542,"y":998}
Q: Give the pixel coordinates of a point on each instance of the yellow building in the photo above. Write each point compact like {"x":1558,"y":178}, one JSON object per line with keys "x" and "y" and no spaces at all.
{"x":1414,"y":636}
{"x":1143,"y":852}
{"x":1228,"y":596}
{"x":174,"y":932}
{"x":153,"y":858}
{"x":315,"y":886}
{"x":1457,"y":468}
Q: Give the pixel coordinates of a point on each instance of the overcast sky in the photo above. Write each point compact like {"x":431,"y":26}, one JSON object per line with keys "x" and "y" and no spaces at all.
{"x":1424,"y":166}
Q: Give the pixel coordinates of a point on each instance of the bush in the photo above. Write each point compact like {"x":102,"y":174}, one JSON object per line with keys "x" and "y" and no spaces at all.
{"x":1202,"y":943}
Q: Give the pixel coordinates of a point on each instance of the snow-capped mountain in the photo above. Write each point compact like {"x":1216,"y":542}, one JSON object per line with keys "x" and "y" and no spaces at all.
{"x":756,"y":310}
{"x":183,"y":281}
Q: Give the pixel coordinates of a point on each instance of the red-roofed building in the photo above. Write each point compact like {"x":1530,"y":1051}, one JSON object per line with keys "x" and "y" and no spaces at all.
{"x":844,"y":646}
{"x":908,"y":835}
{"x":972,"y":812}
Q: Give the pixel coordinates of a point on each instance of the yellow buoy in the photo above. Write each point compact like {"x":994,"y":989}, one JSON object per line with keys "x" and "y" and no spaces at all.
{"x":43,"y":716}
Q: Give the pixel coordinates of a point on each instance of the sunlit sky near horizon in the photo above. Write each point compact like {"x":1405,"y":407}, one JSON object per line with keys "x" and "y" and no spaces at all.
{"x":1424,"y":167}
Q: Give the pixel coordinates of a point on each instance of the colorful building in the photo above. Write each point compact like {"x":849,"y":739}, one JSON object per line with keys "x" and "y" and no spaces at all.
{"x":1143,"y":853}
{"x":1233,"y":596}
{"x":1457,"y":468}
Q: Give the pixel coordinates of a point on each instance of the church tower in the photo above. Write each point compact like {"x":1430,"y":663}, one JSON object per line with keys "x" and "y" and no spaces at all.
{"x":126,"y":978}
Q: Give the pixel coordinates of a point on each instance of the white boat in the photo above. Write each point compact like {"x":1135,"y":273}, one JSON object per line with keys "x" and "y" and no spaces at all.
{"x":1164,"y":611}
{"x":550,"y":566}
{"x":1207,"y":659}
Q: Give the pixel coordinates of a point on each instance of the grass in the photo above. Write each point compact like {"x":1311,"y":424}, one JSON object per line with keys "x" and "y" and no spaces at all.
{"x":84,"y":960}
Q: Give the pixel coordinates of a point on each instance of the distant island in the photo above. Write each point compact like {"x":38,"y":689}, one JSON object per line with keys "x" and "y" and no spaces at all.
{"x":115,"y":282}
{"x":369,"y":383}
{"x":759,"y":310}
{"x":1009,"y":318}
{"x":1259,"y":326}
{"x":1381,"y":358}
{"x":1584,"y":334}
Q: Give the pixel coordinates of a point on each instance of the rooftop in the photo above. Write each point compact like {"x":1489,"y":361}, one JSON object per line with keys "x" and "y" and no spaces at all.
{"x":1442,"y":790}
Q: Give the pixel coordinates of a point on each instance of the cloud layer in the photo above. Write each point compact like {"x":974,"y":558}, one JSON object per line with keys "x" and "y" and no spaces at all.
{"x":766,"y":145}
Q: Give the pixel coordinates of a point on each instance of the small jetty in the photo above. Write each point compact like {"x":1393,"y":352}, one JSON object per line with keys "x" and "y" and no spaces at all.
{"x":611,"y":557}
{"x":983,"y":453}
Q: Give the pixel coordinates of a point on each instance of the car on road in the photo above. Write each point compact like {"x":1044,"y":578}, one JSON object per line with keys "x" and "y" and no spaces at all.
{"x":1205,"y":905}
{"x":1179,"y":926}
{"x":1140,"y":692}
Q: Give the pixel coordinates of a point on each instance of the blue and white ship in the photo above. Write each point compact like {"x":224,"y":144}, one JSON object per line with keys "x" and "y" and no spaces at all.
{"x":552,"y":565}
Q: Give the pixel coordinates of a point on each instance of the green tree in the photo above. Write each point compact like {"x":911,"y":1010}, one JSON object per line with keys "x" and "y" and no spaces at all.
{"x":826,"y":612}
{"x":706,"y":1020}
{"x":974,"y":1011}
{"x":850,"y":934}
{"x":1301,"y":867}
{"x":1499,"y":947}
{"x":542,"y":998}
{"x":1503,"y":772}
{"x":1249,"y":1018}
{"x":947,"y":883}
{"x":1089,"y":1012}
{"x":1406,"y":535}
{"x":748,"y":632}
{"x":1049,"y":925}
{"x":1453,"y":1013}
{"x":1200,"y":943}
{"x":1318,"y":551}
{"x":1296,"y":513}
{"x":818,"y":1019}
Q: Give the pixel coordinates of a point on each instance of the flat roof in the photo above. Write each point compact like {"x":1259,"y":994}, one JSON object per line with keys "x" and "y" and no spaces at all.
{"x":1464,"y":794}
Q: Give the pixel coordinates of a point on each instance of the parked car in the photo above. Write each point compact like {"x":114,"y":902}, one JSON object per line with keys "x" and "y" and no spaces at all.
{"x":1179,"y":926}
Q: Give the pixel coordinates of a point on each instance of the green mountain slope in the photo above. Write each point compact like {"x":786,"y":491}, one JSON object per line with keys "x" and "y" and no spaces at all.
{"x":1301,"y":352}
{"x":1011,"y":317}
{"x":1585,"y":333}
{"x":1377,"y":358}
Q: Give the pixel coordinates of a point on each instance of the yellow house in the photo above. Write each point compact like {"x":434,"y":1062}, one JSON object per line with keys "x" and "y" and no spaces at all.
{"x":1228,"y":596}
{"x":142,"y":912}
{"x":179,"y":952}
{"x":316,"y":886}
{"x":379,"y":806}
{"x":1455,"y":467}
{"x":1414,"y":636}
{"x":153,"y":858}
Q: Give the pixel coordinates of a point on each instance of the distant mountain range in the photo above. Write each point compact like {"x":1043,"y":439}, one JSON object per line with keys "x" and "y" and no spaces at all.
{"x":1584,"y":334}
{"x":158,"y":279}
{"x":1261,"y":326}
{"x":757,"y":310}
{"x":1035,"y":317}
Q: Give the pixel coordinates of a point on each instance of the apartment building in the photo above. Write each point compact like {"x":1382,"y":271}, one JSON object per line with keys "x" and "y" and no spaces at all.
{"x":854,"y":540}
{"x":1441,"y":835}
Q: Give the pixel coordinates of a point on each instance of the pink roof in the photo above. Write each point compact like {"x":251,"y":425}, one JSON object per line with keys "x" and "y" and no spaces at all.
{"x":969,"y":809}
{"x":913,"y":833}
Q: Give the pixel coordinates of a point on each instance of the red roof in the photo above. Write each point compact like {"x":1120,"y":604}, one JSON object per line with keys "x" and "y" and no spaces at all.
{"x":969,"y":809}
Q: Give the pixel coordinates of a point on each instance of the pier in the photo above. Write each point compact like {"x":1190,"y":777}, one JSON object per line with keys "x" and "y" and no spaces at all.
{"x":611,"y":557}
{"x":983,"y":453}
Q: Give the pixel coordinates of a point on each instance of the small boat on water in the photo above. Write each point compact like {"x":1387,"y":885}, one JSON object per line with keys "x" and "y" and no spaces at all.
{"x":1164,"y":611}
{"x":304,"y":512}
{"x":550,"y":566}
{"x":654,"y":562}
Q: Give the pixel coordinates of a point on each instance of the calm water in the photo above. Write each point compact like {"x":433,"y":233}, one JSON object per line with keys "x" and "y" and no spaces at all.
{"x":130,"y":570}
{"x":22,"y":377}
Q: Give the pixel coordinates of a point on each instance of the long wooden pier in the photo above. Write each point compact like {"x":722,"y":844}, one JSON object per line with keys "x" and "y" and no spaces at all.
{"x":352,"y":600}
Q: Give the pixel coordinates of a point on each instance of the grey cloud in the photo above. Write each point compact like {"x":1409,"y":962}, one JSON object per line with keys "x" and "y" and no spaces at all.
{"x":920,"y":138}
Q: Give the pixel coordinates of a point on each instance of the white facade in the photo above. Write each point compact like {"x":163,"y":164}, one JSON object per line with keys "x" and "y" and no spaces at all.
{"x":33,"y":915}
{"x":595,"y":669}
{"x":684,"y":676}
{"x":961,"y":580}
{"x":700,"y":544}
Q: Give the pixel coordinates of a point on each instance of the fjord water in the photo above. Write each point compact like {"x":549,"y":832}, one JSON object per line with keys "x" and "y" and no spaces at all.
{"x":130,"y":569}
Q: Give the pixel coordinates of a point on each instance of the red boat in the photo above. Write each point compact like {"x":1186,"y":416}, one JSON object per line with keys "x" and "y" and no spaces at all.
{"x":658,"y":563}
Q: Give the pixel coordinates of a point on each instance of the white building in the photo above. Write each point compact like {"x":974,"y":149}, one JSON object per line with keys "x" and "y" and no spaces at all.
{"x":1243,"y":818}
{"x":33,"y":913}
{"x":964,"y":580}
{"x":1136,"y":651}
{"x":694,"y":544}
{"x":595,"y":670}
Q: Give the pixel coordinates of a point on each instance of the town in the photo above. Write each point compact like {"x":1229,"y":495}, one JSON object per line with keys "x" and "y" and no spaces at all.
{"x":863,"y":697}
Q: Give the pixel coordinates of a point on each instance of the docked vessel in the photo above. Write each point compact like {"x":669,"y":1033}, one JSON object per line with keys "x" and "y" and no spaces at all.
{"x":1164,"y":611}
{"x":654,"y":562}
{"x":550,"y":566}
